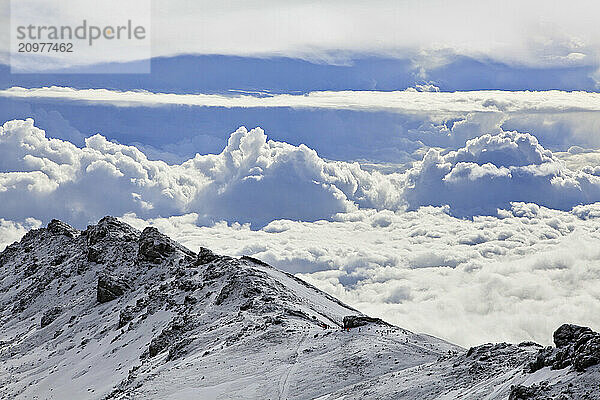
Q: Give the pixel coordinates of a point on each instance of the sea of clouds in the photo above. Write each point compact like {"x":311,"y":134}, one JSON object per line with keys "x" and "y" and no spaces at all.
{"x":496,"y":240}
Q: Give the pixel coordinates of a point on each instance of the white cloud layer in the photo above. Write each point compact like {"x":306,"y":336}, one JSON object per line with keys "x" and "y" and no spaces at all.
{"x":441,"y":104}
{"x":493,"y":170}
{"x":536,"y":32}
{"x":558,"y":119}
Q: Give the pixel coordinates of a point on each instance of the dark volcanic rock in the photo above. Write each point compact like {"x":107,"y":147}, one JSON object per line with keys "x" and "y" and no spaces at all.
{"x":568,"y":334}
{"x":109,"y":288}
{"x":576,"y":346}
{"x":533,"y":392}
{"x":50,"y":315}
{"x":354,"y":321}
{"x":205,"y":256}
{"x":154,"y":246}
{"x":57,"y":227}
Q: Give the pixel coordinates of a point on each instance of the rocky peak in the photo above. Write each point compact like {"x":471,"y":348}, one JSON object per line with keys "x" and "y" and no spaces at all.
{"x":154,"y":247}
{"x":57,"y":227}
{"x":110,"y":228}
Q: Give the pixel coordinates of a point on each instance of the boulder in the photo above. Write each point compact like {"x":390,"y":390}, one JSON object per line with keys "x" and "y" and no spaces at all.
{"x":587,"y":354}
{"x":568,"y":334}
{"x":354,"y":321}
{"x":533,"y":392}
{"x":576,"y":346}
{"x":109,"y":288}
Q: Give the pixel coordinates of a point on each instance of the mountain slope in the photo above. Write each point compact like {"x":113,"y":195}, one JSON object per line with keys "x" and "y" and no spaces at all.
{"x":114,"y":313}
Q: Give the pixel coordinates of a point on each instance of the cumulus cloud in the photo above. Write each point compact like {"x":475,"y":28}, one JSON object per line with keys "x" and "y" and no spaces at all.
{"x":493,"y":170}
{"x":251,"y":180}
{"x":256,"y":180}
{"x":513,"y":276}
{"x":578,"y":158}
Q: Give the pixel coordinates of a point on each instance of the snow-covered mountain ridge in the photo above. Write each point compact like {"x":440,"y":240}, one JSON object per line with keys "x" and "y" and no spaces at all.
{"x":115,"y":313}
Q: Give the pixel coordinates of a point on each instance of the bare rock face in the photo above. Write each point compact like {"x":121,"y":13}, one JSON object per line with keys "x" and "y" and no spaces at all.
{"x":568,"y":334}
{"x":354,"y":321}
{"x":57,"y":227}
{"x":533,"y":392}
{"x":171,"y":338}
{"x":50,"y":315}
{"x":109,"y":288}
{"x":154,"y":246}
{"x":109,"y":233}
{"x":205,"y":256}
{"x":576,"y":346}
{"x":107,"y":229}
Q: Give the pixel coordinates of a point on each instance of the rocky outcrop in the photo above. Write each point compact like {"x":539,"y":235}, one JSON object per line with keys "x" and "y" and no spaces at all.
{"x":576,"y":346}
{"x":94,"y":254}
{"x":109,"y":228}
{"x":154,"y":246}
{"x":567,"y":334}
{"x":354,"y":321}
{"x":109,"y":288}
{"x":254,"y":260}
{"x":533,"y":392}
{"x":57,"y":227}
{"x":108,"y":234}
{"x":205,"y":256}
{"x":50,"y":315}
{"x":171,"y":338}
